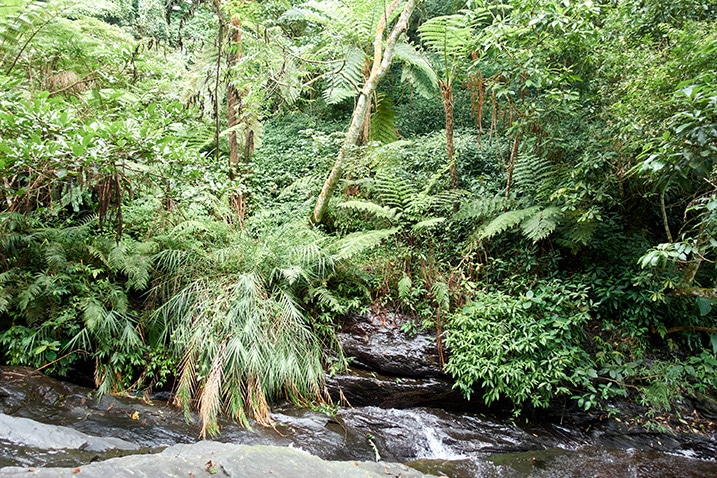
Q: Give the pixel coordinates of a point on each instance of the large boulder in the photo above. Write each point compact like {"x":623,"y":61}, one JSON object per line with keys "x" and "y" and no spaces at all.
{"x":208,"y":458}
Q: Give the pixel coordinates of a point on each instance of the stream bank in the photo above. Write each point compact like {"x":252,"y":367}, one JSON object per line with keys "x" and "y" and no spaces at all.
{"x":403,"y":411}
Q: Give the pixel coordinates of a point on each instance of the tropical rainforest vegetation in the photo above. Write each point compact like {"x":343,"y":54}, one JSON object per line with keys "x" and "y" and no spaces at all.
{"x":194,"y":193}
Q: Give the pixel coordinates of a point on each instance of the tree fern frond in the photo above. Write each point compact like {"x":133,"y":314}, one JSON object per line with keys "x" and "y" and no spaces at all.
{"x":328,"y":300}
{"x":448,"y":35}
{"x":506,"y":221}
{"x":416,"y":70}
{"x":541,"y":224}
{"x":359,"y":242}
{"x":346,"y":81}
{"x":533,"y":176}
{"x":394,"y":191}
{"x":383,"y":121}
{"x":384,"y":212}
{"x":482,"y":208}
{"x":428,"y":223}
{"x":577,"y":233}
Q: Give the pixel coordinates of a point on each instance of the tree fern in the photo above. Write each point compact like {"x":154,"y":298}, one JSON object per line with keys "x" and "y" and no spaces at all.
{"x":534,"y":176}
{"x":417,"y":70}
{"x":383,"y":120}
{"x":541,"y":224}
{"x":449,"y":36}
{"x":506,"y":221}
{"x":346,"y":80}
{"x":359,"y":242}
{"x":384,"y":212}
{"x":16,"y":32}
{"x":481,"y":208}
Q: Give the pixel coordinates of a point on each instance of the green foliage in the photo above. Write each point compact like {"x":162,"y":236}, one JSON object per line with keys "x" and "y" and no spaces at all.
{"x":525,"y":348}
{"x":234,"y":313}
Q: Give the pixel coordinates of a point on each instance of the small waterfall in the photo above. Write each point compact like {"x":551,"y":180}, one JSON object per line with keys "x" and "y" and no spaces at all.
{"x":437,"y":448}
{"x":431,"y":438}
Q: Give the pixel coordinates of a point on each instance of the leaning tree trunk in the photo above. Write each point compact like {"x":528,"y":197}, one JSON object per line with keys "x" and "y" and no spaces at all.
{"x":383,"y":56}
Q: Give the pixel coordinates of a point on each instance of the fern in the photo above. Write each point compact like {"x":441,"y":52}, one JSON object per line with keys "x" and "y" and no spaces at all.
{"x":482,"y":208}
{"x":395,"y":192}
{"x":16,"y":33}
{"x":540,"y":225}
{"x":534,"y":177}
{"x":384,"y":212}
{"x":404,"y":287}
{"x":428,"y":223}
{"x":449,"y":36}
{"x":577,"y":233}
{"x":506,"y":221}
{"x":416,"y":70}
{"x":359,"y":242}
{"x":346,"y":81}
{"x":383,"y":121}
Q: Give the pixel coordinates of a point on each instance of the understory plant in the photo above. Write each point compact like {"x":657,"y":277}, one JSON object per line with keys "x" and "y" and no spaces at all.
{"x":234,"y":311}
{"x":523,"y":347}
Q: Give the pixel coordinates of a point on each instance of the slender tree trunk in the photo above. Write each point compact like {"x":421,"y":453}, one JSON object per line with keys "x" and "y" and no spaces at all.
{"x":383,"y":56}
{"x":447,"y":95}
{"x":511,"y":163}
{"x":233,"y":97}
{"x":234,"y":110}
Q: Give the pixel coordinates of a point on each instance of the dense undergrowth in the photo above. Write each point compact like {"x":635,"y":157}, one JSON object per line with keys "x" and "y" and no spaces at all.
{"x":575,"y":257}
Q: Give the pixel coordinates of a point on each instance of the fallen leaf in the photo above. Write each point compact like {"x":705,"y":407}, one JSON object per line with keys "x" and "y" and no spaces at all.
{"x":76,"y":470}
{"x":143,"y":422}
{"x":135,"y":416}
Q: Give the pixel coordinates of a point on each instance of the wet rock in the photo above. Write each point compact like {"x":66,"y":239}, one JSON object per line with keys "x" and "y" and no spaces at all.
{"x":210,"y":458}
{"x":706,"y":405}
{"x":363,"y":388}
{"x":52,"y":437}
{"x":377,"y":343}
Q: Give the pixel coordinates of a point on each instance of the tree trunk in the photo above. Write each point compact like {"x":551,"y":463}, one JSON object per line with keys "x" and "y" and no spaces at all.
{"x":383,"y":56}
{"x":447,"y":95}
{"x":233,"y":98}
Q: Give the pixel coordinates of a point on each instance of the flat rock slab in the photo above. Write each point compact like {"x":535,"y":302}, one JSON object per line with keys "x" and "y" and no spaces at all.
{"x":24,"y":431}
{"x":209,"y":458}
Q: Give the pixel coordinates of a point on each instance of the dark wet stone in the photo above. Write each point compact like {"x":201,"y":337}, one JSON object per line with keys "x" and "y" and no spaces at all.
{"x":377,"y":343}
{"x":706,"y":405}
{"x":364,"y":388}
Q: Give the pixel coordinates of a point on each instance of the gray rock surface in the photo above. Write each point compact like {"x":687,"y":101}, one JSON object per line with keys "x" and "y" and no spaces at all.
{"x":30,"y":433}
{"x":208,"y":458}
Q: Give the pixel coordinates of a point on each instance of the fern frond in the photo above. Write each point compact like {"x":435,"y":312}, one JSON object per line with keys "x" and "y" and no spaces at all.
{"x":346,"y":81}
{"x":577,"y":233}
{"x":506,"y":221}
{"x":482,"y":208}
{"x":540,"y":225}
{"x":394,"y":191}
{"x":448,"y":35}
{"x":328,"y":300}
{"x":384,"y":212}
{"x":417,"y":70}
{"x":383,"y":120}
{"x":428,"y":223}
{"x":533,"y":176}
{"x":359,"y":242}
{"x":404,"y":287}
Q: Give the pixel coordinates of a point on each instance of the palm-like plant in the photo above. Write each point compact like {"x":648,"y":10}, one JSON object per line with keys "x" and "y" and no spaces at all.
{"x":238,"y":322}
{"x":448,"y":36}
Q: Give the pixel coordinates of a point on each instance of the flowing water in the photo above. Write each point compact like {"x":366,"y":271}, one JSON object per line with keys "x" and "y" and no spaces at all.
{"x":432,"y":440}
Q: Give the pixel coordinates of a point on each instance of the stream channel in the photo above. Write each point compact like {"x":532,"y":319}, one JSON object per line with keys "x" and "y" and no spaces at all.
{"x":401,"y":410}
